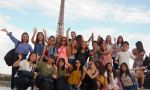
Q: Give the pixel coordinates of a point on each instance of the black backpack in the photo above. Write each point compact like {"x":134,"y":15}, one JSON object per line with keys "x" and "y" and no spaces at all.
{"x":146,"y":62}
{"x":11,"y":56}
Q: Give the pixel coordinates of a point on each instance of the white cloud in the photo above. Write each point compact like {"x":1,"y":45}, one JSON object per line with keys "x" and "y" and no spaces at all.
{"x":135,"y":15}
{"x":4,"y":19}
{"x":83,"y":9}
{"x":14,"y":4}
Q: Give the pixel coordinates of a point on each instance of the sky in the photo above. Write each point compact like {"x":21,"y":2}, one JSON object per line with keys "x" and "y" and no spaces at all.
{"x":129,"y":18}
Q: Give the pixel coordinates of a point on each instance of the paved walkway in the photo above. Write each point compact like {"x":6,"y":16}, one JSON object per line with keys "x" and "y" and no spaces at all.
{"x":8,"y":88}
{"x":5,"y":85}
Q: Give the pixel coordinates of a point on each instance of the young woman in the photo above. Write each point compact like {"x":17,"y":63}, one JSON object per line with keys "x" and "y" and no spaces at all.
{"x":58,"y":40}
{"x":117,"y":48}
{"x":73,"y":35}
{"x":23,"y":47}
{"x":39,"y":43}
{"x":72,"y":43}
{"x":100,"y":41}
{"x":111,"y":75}
{"x":89,"y":77}
{"x":26,"y":74}
{"x":127,"y":80}
{"x":139,"y":53}
{"x":47,"y":71}
{"x":61,"y":69}
{"x":119,"y":41}
{"x":73,"y":47}
{"x":101,"y":79}
{"x":106,"y":56}
{"x":64,"y":50}
{"x":109,"y":44}
{"x":82,"y":53}
{"x":62,"y":75}
{"x":79,"y":40}
{"x":75,"y":76}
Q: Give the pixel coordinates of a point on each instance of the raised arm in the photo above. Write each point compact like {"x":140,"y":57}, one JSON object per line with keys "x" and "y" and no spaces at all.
{"x":34,"y":33}
{"x":68,"y":49}
{"x":117,"y":58}
{"x":5,"y":30}
{"x":17,"y":63}
{"x":41,"y":57}
{"x":67,"y":36}
{"x":90,"y":75}
{"x":133,"y":57}
{"x":11,"y":36}
{"x":45,"y":35}
{"x":91,"y":37}
{"x":82,"y":77}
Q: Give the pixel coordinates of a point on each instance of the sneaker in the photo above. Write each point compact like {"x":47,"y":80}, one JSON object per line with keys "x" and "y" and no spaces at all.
{"x":142,"y":87}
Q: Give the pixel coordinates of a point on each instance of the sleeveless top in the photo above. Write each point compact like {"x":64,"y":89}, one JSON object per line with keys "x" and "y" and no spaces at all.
{"x":62,"y":53}
{"x":39,"y":48}
{"x":90,"y":83}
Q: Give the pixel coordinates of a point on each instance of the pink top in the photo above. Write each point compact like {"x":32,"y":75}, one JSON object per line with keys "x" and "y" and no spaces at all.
{"x":62,"y":53}
{"x":106,"y":59}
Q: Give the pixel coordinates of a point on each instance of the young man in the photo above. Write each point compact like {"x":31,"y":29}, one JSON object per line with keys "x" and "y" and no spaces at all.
{"x":124,"y":55}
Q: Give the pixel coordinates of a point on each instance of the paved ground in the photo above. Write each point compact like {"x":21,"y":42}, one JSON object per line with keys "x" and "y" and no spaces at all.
{"x":8,"y":88}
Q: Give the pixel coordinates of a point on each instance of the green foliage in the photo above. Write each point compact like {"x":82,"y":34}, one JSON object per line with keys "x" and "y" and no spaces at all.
{"x":5,"y":78}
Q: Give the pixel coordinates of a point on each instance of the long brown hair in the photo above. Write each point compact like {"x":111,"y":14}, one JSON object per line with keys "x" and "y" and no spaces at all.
{"x":60,"y":44}
{"x":22,"y":36}
{"x":139,"y":46}
{"x":61,"y":59}
{"x":30,"y":56}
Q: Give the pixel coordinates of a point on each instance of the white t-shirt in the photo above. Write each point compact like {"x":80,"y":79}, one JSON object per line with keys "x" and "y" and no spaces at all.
{"x":124,"y":57}
{"x":25,"y":65}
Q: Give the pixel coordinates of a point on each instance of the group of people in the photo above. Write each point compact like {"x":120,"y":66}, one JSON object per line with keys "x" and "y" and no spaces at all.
{"x":63,"y":63}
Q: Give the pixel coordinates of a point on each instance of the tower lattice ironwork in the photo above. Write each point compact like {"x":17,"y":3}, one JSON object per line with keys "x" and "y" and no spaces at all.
{"x":60,"y":27}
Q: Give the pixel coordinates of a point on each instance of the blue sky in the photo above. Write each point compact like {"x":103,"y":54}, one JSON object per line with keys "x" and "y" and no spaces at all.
{"x":130,"y":18}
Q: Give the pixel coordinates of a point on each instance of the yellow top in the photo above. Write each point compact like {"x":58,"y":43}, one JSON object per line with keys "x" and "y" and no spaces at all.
{"x":75,"y":77}
{"x":101,"y":79}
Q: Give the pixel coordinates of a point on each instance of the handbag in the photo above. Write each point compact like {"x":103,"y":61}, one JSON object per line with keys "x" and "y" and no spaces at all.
{"x":10,"y":57}
{"x":24,"y":73}
{"x":24,"y":79}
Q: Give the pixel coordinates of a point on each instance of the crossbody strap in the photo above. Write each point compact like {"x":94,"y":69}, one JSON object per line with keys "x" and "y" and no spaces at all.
{"x":17,"y":45}
{"x":61,"y":50}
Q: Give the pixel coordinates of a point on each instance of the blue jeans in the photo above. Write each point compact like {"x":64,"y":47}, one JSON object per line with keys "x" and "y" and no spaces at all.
{"x":132,"y":87}
{"x":71,"y":88}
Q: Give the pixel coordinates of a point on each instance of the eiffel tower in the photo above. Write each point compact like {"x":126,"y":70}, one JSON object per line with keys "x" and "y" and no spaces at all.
{"x":60,"y":26}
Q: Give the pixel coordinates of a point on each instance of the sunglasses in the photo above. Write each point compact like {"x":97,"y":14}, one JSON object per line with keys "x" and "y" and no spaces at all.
{"x":90,"y":64}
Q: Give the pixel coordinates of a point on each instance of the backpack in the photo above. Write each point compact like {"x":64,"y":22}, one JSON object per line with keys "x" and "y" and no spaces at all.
{"x":10,"y":57}
{"x":146,"y":62}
